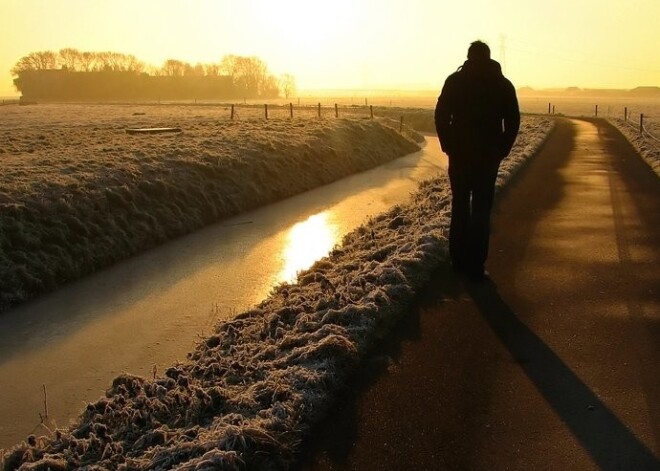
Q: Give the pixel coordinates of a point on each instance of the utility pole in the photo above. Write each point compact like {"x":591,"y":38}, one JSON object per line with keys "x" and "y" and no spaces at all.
{"x":503,"y":52}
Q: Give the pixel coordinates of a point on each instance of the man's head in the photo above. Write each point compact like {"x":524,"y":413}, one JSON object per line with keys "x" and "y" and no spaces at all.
{"x":478,"y":51}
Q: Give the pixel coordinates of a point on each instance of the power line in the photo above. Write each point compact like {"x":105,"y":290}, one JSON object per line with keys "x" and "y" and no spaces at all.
{"x":585,"y":62}
{"x":560,"y":54}
{"x":503,"y":52}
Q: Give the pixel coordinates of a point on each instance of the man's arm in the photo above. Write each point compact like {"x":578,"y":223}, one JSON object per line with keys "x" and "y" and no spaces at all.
{"x":511,"y":118}
{"x":443,"y":117}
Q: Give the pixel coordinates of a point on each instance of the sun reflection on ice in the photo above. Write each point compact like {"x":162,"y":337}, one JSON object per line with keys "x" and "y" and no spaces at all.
{"x":307,"y":242}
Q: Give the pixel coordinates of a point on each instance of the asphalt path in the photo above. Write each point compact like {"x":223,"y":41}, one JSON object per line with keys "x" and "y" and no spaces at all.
{"x":553,"y":364}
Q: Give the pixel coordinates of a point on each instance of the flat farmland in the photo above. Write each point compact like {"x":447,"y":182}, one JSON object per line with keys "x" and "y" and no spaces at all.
{"x":78,"y":193}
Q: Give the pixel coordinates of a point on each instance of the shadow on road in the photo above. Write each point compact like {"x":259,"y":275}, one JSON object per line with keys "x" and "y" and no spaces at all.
{"x":607,"y":440}
{"x":429,"y":409}
{"x":333,"y":439}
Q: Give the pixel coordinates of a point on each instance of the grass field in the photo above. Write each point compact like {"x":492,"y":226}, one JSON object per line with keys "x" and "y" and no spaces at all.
{"x":78,"y":193}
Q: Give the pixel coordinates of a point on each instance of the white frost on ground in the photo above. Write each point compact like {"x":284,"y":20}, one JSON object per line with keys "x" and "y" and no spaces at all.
{"x":646,"y":144}
{"x":77,"y":193}
{"x":249,"y":393}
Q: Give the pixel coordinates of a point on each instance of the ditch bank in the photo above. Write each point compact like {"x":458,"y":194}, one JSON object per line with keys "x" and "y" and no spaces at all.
{"x":77,"y":198}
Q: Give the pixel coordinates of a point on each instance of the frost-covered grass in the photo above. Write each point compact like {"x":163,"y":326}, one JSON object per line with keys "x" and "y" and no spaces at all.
{"x":613,"y":109}
{"x":647,"y":145}
{"x":418,"y":118}
{"x":247,"y":395}
{"x":77,"y":193}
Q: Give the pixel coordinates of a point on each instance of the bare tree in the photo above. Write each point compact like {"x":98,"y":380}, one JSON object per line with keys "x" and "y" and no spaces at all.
{"x":287,"y":85}
{"x":249,"y":74}
{"x":153,"y":70}
{"x":132,"y":64}
{"x":199,"y":70}
{"x":211,"y":70}
{"x":118,"y":61}
{"x":103,"y":60}
{"x":188,"y":70}
{"x":270,"y":87}
{"x":25,"y":63}
{"x":173,"y":68}
{"x":87,"y":61}
{"x":41,"y":60}
{"x":70,"y":59}
{"x":228,"y":65}
{"x":47,"y":60}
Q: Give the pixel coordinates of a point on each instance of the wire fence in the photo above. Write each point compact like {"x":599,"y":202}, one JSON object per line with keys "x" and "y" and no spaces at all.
{"x":415,"y":112}
{"x":642,"y":127}
{"x":290,"y":111}
{"x":647,"y":125}
{"x":421,"y":120}
{"x":647,"y":133}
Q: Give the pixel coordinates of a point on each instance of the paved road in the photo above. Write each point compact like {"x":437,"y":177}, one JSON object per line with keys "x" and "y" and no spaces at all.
{"x":555,"y":364}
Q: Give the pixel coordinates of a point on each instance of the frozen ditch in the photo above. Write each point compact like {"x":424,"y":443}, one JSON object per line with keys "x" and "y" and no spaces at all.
{"x":150,"y":309}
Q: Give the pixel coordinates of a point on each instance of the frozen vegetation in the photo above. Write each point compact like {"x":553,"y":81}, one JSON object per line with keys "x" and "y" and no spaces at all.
{"x":614,"y":109}
{"x":248,"y":394}
{"x":647,"y":144}
{"x":77,"y":193}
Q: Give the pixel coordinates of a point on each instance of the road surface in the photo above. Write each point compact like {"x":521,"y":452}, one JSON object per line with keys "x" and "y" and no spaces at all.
{"x":552,"y":365}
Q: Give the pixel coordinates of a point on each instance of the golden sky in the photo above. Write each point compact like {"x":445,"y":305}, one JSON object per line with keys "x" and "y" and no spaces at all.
{"x":356,"y":44}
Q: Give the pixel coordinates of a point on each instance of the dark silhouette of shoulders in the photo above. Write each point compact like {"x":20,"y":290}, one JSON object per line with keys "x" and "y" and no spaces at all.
{"x":476,"y":101}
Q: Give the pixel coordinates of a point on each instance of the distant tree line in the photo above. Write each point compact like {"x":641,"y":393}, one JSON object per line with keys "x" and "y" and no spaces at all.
{"x":71,"y":74}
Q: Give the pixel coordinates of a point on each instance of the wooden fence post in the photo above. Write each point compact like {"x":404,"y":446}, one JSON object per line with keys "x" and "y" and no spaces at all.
{"x":641,"y":123}
{"x":401,"y":124}
{"x":319,"y":110}
{"x":336,"y":111}
{"x":371,"y":111}
{"x":596,"y":111}
{"x":266,"y":110}
{"x":291,"y":110}
{"x":232,"y":111}
{"x":553,"y":109}
{"x":45,"y":401}
{"x":625,"y":113}
{"x":548,"y":108}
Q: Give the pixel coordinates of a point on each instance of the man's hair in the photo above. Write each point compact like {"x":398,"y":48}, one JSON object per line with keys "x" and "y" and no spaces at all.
{"x":479,"y":51}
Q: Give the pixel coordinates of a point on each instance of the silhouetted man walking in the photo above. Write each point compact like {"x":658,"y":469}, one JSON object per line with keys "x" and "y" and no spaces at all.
{"x":477,"y":119}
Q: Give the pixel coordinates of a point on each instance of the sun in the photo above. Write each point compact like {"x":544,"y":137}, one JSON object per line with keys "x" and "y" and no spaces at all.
{"x":307,"y":241}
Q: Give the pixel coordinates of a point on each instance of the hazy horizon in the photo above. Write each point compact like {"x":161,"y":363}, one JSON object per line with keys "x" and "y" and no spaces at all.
{"x":353,"y":45}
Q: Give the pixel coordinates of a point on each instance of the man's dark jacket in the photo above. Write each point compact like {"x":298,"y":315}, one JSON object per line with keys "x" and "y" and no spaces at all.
{"x":477,"y":112}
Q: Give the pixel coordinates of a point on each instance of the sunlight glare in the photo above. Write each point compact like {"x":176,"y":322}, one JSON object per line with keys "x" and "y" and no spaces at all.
{"x":307,"y":28}
{"x":307,"y":242}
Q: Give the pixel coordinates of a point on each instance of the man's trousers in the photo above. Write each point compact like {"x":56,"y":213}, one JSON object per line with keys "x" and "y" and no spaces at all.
{"x":472,"y":178}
